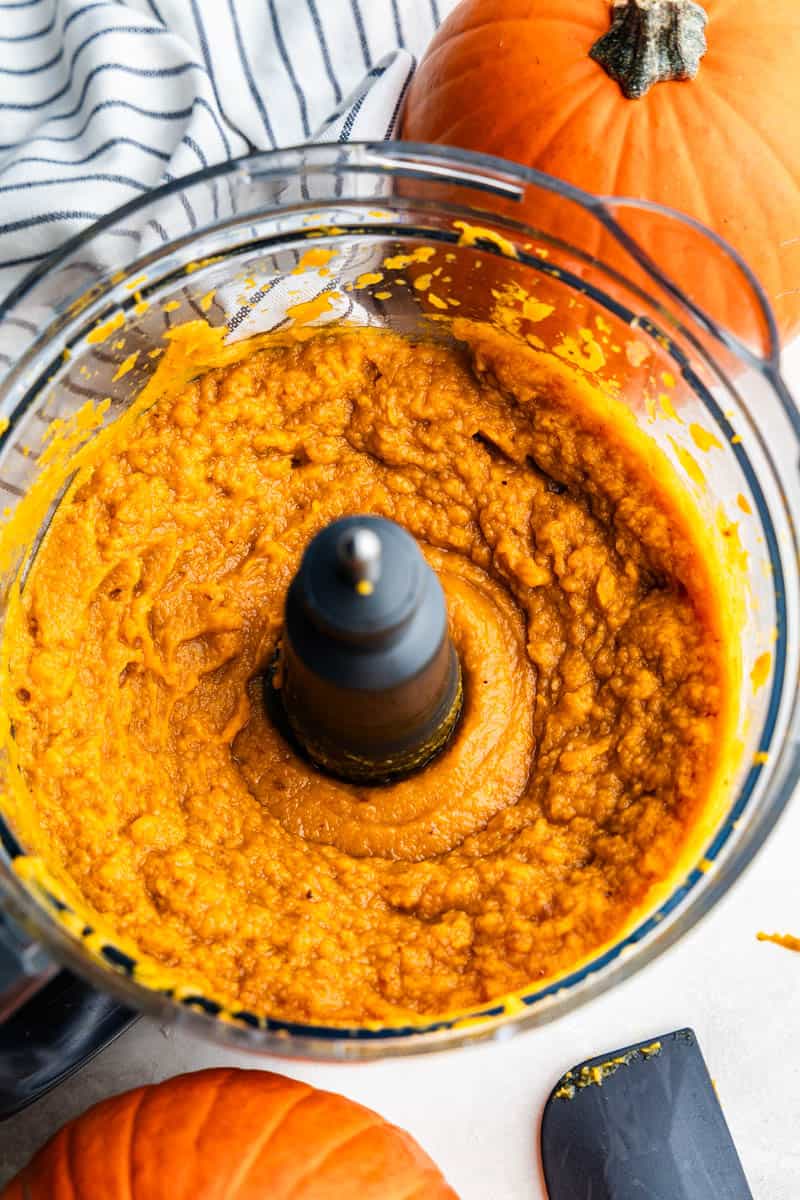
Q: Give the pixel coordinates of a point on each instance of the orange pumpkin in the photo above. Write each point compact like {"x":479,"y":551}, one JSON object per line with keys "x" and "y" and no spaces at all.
{"x":517,"y":78}
{"x":242,"y":1135}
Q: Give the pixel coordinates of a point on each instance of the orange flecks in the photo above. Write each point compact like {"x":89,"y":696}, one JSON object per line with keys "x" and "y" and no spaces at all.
{"x":171,"y":305}
{"x":668,"y":379}
{"x":689,"y":464}
{"x":734,"y":550}
{"x":736,"y":439}
{"x":760,"y":758}
{"x":135,"y":283}
{"x":309,"y":310}
{"x":704,"y":439}
{"x":584,"y":353}
{"x":155,"y":352}
{"x":761,"y":669}
{"x":471,"y":234}
{"x":383,"y":295}
{"x":602,"y":324}
{"x":398,"y":262}
{"x":786,"y":940}
{"x":208,"y":300}
{"x":436,"y":301}
{"x":514,"y":303}
{"x":369,"y":278}
{"x":636,"y":353}
{"x":101,"y":332}
{"x":668,"y":408}
{"x":202,"y":262}
{"x":126,"y":366}
{"x":744,"y":503}
{"x":315,"y":257}
{"x":536,"y":310}
{"x":423,"y":282}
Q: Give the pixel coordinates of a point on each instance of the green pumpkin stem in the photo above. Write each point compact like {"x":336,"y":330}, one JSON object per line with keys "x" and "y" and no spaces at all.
{"x":651,"y":41}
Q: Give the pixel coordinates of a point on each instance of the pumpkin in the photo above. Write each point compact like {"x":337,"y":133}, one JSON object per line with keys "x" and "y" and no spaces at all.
{"x":692,"y":106}
{"x":241,"y":1135}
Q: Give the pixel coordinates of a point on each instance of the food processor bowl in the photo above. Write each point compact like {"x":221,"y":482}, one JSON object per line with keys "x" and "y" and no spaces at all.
{"x":406,"y":236}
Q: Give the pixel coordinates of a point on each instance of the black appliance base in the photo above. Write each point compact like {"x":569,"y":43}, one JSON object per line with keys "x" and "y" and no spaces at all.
{"x":52,"y":1035}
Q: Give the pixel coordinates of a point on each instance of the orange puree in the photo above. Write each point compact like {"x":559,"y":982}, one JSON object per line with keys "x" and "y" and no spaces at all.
{"x":580,"y":605}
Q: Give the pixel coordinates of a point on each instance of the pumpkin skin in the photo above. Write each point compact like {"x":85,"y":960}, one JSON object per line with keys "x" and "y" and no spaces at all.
{"x":229,"y":1135}
{"x":514,"y":78}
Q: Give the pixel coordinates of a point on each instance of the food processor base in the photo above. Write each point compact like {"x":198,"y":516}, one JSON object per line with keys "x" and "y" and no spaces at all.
{"x":52,"y":1035}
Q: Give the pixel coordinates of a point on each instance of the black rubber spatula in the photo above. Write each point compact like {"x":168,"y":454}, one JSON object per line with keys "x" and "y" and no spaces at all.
{"x":642,"y":1123}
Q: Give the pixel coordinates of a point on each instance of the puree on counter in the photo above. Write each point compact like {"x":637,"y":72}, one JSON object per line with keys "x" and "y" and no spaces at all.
{"x":582,"y":607}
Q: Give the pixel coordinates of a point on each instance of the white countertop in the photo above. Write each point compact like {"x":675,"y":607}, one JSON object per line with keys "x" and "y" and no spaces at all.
{"x":477,"y":1110}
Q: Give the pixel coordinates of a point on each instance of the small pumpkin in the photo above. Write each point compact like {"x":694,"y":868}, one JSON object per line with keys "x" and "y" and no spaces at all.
{"x":242,"y":1135}
{"x":686,"y":104}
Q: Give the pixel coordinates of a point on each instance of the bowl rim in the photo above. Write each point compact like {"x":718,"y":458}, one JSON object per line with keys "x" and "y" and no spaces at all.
{"x":600,"y":971}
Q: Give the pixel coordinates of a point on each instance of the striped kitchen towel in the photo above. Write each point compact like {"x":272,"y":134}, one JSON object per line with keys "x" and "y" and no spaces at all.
{"x":101,"y":100}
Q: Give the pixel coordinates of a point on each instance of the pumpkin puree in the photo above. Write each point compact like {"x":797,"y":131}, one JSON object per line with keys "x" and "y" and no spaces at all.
{"x":581,"y":607}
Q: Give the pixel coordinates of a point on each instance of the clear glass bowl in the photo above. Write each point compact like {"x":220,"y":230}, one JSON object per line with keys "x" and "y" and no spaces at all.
{"x":231,"y":244}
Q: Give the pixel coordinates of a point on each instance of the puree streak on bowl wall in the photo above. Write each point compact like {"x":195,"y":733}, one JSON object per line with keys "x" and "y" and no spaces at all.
{"x":583,"y":605}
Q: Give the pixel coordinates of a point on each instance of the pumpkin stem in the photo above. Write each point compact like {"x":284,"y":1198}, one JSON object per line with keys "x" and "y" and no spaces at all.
{"x":651,"y":41}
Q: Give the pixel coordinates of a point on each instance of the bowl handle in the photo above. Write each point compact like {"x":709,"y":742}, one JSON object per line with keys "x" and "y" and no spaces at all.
{"x":662,"y":240}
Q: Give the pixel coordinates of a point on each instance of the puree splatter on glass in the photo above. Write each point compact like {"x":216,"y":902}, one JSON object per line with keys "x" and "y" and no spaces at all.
{"x":582,"y":607}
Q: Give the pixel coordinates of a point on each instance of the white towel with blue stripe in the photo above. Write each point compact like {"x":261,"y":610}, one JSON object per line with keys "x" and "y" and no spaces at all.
{"x":101,"y":100}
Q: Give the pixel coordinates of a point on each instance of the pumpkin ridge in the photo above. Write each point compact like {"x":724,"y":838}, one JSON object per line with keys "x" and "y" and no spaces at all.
{"x":225,"y":1075}
{"x":418,"y":1193}
{"x":69,"y":1147}
{"x":756,"y":196}
{"x":761,"y":134}
{"x":238,"y":1179}
{"x":315,"y":1166}
{"x":701,"y":206}
{"x":583,"y":93}
{"x":701,"y":192}
{"x":589,"y":95}
{"x":621,"y":128}
{"x":131,"y":1136}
